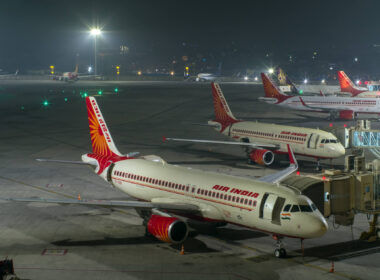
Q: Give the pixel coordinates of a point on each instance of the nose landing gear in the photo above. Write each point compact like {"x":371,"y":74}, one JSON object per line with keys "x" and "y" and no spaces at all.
{"x":279,"y":252}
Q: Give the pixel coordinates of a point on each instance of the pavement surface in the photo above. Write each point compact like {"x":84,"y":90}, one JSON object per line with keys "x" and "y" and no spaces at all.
{"x":77,"y":242}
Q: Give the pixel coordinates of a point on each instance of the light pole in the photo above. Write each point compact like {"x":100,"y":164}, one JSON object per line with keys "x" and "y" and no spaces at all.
{"x":95,"y":32}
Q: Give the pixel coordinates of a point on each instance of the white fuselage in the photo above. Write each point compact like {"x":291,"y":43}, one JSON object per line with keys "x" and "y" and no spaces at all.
{"x":319,"y":103}
{"x":303,"y":141}
{"x":253,"y":204}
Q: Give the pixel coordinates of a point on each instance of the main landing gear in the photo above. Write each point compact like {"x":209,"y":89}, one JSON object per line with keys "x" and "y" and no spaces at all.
{"x":319,"y":167}
{"x":279,"y":252}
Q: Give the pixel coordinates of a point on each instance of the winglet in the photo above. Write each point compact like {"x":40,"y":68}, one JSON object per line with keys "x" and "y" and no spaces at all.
{"x":292,"y":159}
{"x":303,"y":103}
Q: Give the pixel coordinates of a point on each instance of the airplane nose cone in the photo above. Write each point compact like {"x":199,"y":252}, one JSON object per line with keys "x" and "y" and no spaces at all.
{"x":317,"y":228}
{"x":337,"y":150}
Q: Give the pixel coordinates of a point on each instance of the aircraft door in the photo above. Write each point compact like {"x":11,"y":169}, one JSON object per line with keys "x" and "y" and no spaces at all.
{"x":109,"y":172}
{"x":268,"y":206}
{"x":313,"y":140}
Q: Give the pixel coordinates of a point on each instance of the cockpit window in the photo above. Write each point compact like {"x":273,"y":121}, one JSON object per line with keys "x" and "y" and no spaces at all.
{"x":313,"y":207}
{"x":323,"y":141}
{"x":295,"y":208}
{"x":287,"y":208}
{"x":333,"y":141}
{"x":306,"y":208}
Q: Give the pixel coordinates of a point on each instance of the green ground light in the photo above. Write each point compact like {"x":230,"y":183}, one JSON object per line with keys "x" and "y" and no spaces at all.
{"x":116,"y":90}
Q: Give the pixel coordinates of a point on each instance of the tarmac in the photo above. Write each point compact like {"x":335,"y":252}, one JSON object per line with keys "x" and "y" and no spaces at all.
{"x":78,"y":242}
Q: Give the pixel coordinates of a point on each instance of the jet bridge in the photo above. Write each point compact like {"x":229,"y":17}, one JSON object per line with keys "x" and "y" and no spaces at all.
{"x":358,"y":137}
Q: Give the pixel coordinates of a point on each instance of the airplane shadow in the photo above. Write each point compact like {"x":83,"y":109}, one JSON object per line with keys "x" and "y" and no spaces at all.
{"x":107,"y":241}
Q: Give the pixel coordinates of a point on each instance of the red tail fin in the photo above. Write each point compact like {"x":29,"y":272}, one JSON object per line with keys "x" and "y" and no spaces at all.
{"x":101,"y":139}
{"x":223,"y":114}
{"x":346,"y":85}
{"x":271,"y":90}
{"x":104,"y":150}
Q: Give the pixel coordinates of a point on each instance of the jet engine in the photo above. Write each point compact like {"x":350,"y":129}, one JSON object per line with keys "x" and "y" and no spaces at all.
{"x":167,"y":229}
{"x":346,"y":115}
{"x":262,"y":156}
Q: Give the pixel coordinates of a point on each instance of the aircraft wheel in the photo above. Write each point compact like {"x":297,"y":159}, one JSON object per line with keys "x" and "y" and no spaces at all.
{"x":277,"y":253}
{"x":280,"y":253}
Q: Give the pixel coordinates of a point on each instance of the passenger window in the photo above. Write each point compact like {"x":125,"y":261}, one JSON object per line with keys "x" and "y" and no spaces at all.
{"x":287,"y":208}
{"x":295,"y":208}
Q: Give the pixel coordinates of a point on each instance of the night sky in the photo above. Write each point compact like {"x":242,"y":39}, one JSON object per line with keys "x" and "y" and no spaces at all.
{"x":39,"y":33}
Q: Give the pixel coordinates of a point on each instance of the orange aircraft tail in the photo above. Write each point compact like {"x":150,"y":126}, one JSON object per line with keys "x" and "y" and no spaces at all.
{"x":223,"y":114}
{"x":271,"y":90}
{"x":346,"y":85}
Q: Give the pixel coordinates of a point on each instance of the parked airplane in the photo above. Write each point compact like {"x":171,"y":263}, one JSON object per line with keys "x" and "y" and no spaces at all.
{"x":346,"y":85}
{"x":203,"y":77}
{"x":72,"y":76}
{"x":164,"y":190}
{"x":9,"y":75}
{"x":338,"y":107}
{"x":262,"y":140}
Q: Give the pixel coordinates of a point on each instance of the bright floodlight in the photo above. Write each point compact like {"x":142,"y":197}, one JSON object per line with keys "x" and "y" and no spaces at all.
{"x":245,"y":78}
{"x":89,"y":69}
{"x":305,"y":81}
{"x":357,"y":82}
{"x":356,"y":59}
{"x":270,"y":70}
{"x":256,"y":78}
{"x":95,"y":31}
{"x":323,"y":81}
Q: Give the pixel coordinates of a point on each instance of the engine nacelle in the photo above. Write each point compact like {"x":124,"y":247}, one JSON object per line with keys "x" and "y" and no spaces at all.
{"x":346,"y":115}
{"x":262,"y":156}
{"x":167,"y":229}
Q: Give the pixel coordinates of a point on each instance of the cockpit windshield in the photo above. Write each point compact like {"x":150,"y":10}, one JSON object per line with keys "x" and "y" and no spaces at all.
{"x":300,"y":208}
{"x":327,"y":141}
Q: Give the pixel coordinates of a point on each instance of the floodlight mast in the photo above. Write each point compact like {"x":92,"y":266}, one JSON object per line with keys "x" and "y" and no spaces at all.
{"x":95,"y":32}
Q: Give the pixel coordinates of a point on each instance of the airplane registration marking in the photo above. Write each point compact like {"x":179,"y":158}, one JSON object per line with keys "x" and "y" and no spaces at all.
{"x":195,"y":196}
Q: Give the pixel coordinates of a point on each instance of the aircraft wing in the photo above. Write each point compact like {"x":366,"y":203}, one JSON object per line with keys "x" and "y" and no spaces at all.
{"x":252,"y":145}
{"x":166,"y":205}
{"x":278,"y":176}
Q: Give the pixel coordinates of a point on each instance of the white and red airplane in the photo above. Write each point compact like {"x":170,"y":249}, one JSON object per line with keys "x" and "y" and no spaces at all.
{"x":346,"y":85}
{"x":166,"y":193}
{"x":263,"y":140}
{"x":346,"y":108}
{"x":72,"y":76}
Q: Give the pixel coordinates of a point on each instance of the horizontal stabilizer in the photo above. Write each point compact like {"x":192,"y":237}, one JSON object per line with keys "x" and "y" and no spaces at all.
{"x":61,"y":161}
